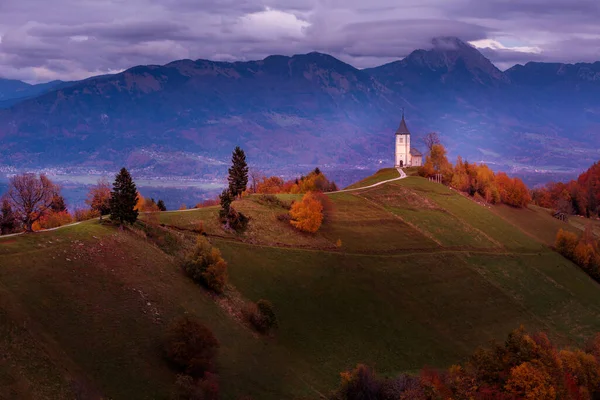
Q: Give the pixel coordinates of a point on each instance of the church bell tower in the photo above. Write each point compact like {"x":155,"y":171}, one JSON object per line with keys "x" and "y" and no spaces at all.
{"x":402,"y":156}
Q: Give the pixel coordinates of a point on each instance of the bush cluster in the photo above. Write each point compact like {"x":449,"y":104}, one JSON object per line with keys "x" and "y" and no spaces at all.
{"x":314,"y":181}
{"x":262,"y":316}
{"x":583,"y":250}
{"x":190,"y":347}
{"x":525,"y":367}
{"x":188,"y":388}
{"x":205,"y":265}
{"x":272,"y":200}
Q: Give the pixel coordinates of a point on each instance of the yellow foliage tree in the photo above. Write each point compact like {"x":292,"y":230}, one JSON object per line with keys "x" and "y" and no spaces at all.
{"x":307,"y":214}
{"x":530,"y":381}
{"x":436,"y":162}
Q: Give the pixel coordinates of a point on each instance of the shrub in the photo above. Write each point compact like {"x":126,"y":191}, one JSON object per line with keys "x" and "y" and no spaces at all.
{"x":82,"y":214}
{"x":236,"y":220}
{"x":187,"y":388}
{"x":55,"y":219}
{"x":358,"y":384}
{"x":205,"y":265}
{"x":284,"y":217}
{"x":565,"y":243}
{"x":307,"y":214}
{"x":190,"y":347}
{"x":262,"y":316}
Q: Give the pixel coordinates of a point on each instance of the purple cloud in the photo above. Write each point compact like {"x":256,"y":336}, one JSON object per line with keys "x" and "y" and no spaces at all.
{"x":71,"y":39}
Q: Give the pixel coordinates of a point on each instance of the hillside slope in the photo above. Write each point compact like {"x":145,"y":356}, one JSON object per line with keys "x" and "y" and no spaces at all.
{"x":423,"y":276}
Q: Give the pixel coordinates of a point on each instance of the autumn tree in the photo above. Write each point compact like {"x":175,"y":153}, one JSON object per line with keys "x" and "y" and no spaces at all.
{"x":307,"y":214}
{"x":98,"y":198}
{"x":436,"y":162}
{"x":8,"y":219}
{"x":530,"y":381}
{"x":238,"y":173}
{"x":123,"y":198}
{"x":144,"y":204}
{"x":58,"y":204}
{"x":270,"y":185}
{"x":430,"y":140}
{"x":31,"y":197}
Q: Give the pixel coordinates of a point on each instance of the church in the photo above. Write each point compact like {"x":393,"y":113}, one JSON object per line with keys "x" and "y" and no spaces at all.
{"x":406,"y":156}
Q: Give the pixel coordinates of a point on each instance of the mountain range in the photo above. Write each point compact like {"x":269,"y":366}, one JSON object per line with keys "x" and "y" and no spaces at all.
{"x":306,"y":110}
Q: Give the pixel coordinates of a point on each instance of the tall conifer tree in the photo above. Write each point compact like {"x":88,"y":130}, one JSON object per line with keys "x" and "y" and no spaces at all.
{"x":123,"y":198}
{"x":238,"y":173}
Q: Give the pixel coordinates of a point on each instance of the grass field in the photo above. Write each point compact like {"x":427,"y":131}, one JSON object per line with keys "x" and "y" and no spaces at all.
{"x":380,"y":176}
{"x":423,"y":276}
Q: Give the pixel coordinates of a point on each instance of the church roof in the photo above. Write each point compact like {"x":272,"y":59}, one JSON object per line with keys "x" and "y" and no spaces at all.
{"x":415,"y":153}
{"x":402,"y":129}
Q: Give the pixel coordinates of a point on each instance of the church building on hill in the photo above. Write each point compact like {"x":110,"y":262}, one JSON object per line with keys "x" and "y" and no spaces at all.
{"x":406,"y":156}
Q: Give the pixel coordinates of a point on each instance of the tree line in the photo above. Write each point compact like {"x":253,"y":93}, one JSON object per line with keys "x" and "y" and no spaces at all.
{"x":525,"y":366}
{"x":34,"y":202}
{"x":579,"y":196}
{"x":476,"y":180}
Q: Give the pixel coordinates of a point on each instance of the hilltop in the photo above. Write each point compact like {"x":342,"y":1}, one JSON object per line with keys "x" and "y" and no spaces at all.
{"x":423,"y":276}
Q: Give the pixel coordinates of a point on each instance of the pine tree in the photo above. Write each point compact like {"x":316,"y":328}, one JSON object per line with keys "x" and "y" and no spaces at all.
{"x":238,"y":173}
{"x":161,"y":205}
{"x":225,"y":199}
{"x":123,"y":198}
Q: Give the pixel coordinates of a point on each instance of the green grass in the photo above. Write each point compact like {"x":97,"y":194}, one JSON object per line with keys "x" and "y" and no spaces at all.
{"x":102,"y":298}
{"x":478,"y":216}
{"x":536,"y":221}
{"x":380,"y":176}
{"x":424,"y":275}
{"x":427,"y":217}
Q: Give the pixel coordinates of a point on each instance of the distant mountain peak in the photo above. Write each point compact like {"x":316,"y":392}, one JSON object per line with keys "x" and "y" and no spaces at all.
{"x":450,"y":43}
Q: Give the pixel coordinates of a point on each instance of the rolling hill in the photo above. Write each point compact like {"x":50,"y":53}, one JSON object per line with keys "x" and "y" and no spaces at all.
{"x":311,"y":109}
{"x":423,"y":276}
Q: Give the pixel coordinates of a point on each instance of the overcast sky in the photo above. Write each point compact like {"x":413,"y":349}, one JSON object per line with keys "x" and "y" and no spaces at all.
{"x":41,"y":40}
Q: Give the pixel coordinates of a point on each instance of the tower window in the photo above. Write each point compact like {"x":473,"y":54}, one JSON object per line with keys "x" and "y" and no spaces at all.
{"x":400,"y":139}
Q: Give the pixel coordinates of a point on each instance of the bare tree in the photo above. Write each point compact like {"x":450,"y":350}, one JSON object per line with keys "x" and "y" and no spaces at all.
{"x":255,"y":177}
{"x":31,"y":197}
{"x":431,"y":139}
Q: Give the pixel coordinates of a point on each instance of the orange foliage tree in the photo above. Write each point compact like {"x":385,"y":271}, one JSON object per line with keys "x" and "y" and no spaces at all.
{"x":98,"y":198}
{"x":315,"y":181}
{"x":436,"y":162}
{"x":307,"y":214}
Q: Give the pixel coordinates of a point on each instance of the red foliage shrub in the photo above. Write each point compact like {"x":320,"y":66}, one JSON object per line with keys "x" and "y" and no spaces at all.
{"x":190,"y":347}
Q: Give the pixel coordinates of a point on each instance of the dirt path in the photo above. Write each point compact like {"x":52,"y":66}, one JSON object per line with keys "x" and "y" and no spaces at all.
{"x":41,"y":231}
{"x":400,"y":171}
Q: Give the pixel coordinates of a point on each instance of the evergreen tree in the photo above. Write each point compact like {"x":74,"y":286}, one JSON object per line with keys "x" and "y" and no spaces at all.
{"x":225,"y":199}
{"x":238,"y":173}
{"x":8,"y":219}
{"x":123,"y":198}
{"x":161,"y":205}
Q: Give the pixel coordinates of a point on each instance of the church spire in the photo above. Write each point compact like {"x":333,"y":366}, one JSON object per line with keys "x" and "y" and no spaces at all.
{"x":402,"y":129}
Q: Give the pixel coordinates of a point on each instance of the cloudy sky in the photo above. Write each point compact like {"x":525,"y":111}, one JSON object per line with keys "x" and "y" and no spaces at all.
{"x":41,"y":40}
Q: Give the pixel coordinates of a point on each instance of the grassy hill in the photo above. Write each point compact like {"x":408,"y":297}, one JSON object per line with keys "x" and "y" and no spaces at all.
{"x":423,"y":276}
